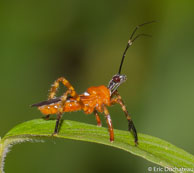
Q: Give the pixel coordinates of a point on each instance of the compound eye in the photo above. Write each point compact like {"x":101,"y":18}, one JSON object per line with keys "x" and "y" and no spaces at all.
{"x":116,"y":79}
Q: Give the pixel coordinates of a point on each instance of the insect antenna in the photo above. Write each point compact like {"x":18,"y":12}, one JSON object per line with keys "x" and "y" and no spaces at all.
{"x":131,"y":40}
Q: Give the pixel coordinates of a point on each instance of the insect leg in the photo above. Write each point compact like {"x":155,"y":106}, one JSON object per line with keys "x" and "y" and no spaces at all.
{"x":55,"y":86}
{"x":46,"y":117}
{"x":99,"y":124}
{"x":109,"y":122}
{"x":70,"y":91}
{"x":59,"y":116}
{"x":131,"y":126}
{"x":60,"y":110}
{"x":66,"y":83}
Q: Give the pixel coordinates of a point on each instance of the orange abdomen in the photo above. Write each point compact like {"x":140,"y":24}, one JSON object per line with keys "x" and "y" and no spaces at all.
{"x":69,"y":106}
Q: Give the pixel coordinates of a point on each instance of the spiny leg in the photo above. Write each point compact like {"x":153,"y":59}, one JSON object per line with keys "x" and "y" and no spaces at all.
{"x":66,"y":83}
{"x":60,"y":110}
{"x":99,"y":124}
{"x":55,"y":86}
{"x":131,"y":126}
{"x":109,"y":122}
{"x":63,"y":99}
{"x":71,"y":91}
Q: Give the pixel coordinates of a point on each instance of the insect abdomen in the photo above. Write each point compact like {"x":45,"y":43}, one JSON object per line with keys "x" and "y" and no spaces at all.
{"x":69,"y":106}
{"x":49,"y":109}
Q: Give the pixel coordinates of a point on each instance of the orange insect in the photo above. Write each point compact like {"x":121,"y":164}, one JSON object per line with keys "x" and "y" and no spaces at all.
{"x":94,"y":100}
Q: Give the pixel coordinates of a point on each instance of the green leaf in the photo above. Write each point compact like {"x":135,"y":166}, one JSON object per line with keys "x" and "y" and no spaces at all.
{"x":150,"y":148}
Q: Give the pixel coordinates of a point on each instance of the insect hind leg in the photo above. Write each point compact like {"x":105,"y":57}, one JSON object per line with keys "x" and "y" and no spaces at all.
{"x":60,"y":111}
{"x":70,"y":91}
{"x":55,"y":86}
{"x":59,"y":116}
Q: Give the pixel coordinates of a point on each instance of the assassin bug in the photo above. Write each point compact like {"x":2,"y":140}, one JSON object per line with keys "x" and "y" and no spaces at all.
{"x":94,"y":100}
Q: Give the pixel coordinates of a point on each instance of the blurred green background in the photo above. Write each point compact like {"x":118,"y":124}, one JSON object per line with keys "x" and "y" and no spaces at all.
{"x":83,"y":41}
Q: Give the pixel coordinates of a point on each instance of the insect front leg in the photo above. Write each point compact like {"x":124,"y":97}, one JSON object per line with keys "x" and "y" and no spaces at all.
{"x":131,"y":126}
{"x":109,"y":122}
{"x":99,"y":124}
